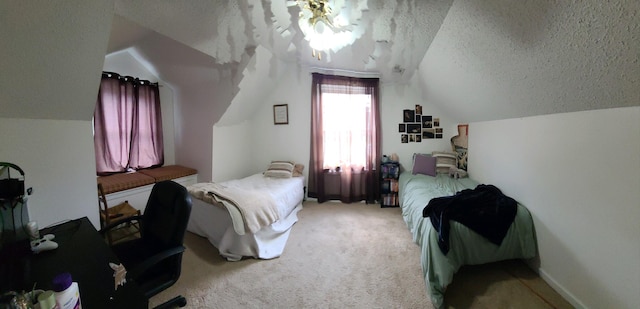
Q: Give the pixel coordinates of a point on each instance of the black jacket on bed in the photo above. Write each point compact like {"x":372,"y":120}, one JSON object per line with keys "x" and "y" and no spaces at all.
{"x":484,"y":210}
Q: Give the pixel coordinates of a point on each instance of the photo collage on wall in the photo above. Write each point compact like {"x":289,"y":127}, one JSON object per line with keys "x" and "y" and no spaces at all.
{"x":416,"y":127}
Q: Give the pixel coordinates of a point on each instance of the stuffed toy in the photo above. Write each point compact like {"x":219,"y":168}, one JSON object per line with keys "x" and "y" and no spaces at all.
{"x":457,"y":173}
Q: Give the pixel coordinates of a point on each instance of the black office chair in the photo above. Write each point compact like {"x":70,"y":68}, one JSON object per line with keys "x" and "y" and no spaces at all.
{"x":154,"y":260}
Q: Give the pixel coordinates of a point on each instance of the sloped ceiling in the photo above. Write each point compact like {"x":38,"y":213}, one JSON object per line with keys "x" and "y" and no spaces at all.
{"x":477,"y":60}
{"x":51,"y":54}
{"x":504,"y":59}
{"x":393,"y":34}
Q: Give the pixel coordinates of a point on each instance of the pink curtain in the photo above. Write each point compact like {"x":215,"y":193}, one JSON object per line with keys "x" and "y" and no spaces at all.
{"x":350,"y":183}
{"x":147,"y":149}
{"x":127,"y":125}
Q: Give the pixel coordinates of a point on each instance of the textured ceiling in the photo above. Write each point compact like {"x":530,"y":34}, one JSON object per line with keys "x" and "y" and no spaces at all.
{"x":477,"y":60}
{"x":502,"y":59}
{"x":392,"y":36}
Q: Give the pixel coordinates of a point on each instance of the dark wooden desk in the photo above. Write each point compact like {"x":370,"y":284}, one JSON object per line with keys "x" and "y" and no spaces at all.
{"x":83,"y":253}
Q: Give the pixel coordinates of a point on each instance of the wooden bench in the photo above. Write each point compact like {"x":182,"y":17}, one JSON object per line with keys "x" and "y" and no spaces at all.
{"x":135,"y":187}
{"x":168,"y":172}
{"x":125,"y":181}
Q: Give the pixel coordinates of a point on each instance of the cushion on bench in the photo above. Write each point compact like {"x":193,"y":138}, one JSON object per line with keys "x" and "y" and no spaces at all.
{"x":124,"y":181}
{"x":168,"y":172}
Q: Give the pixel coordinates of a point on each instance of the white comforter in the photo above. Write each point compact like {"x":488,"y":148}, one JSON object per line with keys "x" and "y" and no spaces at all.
{"x":257,"y":206}
{"x":224,"y":224}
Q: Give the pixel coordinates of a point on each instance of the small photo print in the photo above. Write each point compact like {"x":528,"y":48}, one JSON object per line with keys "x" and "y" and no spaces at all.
{"x":404,"y":138}
{"x":413,"y":128}
{"x":402,"y":127}
{"x":418,"y":110}
{"x":412,"y":138}
{"x":418,"y":138}
{"x":436,"y":122}
{"x":428,"y":133}
{"x":418,"y":118}
{"x":438,"y":135}
{"x":439,"y":130}
{"x":427,"y":122}
{"x":408,"y":115}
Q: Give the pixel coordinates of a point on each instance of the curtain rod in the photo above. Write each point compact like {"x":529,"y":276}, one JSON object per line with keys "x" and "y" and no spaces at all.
{"x":327,"y":70}
{"x":125,"y":77}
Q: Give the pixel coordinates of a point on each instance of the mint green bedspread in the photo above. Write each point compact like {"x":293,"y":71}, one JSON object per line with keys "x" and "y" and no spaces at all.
{"x":466,"y":246}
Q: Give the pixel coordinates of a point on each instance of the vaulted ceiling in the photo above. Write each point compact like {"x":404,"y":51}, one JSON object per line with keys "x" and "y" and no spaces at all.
{"x":478,"y":60}
{"x":389,"y":37}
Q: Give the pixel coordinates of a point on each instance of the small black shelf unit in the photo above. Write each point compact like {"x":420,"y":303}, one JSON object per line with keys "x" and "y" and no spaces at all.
{"x":389,"y":173}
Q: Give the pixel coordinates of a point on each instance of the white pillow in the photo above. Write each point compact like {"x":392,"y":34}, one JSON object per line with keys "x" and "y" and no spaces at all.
{"x":280,"y":169}
{"x":445,"y":160}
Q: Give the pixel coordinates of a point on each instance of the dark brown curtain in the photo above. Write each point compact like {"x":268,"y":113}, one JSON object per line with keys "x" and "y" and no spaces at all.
{"x":127,"y":125}
{"x":351,"y":183}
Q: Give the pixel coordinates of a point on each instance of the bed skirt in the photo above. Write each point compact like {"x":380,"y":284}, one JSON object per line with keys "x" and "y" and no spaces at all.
{"x":214,"y":222}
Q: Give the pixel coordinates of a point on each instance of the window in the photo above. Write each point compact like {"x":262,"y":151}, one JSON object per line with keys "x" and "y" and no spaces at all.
{"x":345,"y":138}
{"x":127,"y":125}
{"x":344,"y":129}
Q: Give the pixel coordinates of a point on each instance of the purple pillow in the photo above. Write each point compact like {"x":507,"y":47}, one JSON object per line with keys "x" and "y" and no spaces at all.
{"x":424,"y":165}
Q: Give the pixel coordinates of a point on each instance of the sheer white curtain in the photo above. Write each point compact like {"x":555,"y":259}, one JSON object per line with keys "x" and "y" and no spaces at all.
{"x":345,"y":129}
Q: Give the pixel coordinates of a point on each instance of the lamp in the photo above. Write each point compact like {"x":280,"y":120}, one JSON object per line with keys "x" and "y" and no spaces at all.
{"x":323,"y":25}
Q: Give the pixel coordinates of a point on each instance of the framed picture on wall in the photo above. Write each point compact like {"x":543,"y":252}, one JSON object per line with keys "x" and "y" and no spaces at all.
{"x":413,"y":128}
{"x":402,"y":127}
{"x":408,"y":115}
{"x":428,"y":133}
{"x":427,"y":122}
{"x":281,"y":114}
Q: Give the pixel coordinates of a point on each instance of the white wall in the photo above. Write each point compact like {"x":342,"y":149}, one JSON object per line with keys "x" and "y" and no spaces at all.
{"x":283,"y":142}
{"x":52,"y":55}
{"x":579,"y":175}
{"x":292,"y":141}
{"x":232,"y":151}
{"x":234,"y":135}
{"x":395,"y":99}
{"x":57,"y":157}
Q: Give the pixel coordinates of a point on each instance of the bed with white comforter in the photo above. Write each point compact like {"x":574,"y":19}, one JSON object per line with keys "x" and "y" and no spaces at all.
{"x":248,"y":217}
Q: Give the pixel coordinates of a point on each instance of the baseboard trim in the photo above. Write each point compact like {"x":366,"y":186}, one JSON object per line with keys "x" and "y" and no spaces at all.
{"x":574,"y":301}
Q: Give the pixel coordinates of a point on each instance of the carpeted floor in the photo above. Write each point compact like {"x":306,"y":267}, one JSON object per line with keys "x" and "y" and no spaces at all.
{"x":347,"y":256}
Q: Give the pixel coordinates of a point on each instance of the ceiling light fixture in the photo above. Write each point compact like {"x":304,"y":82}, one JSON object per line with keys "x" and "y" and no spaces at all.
{"x":323,"y":25}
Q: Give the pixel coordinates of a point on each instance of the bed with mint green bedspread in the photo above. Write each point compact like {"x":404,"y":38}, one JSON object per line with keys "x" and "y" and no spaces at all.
{"x":466,"y":246}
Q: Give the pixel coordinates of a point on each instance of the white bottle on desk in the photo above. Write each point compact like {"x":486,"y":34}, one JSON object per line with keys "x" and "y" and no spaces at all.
{"x":66,"y":291}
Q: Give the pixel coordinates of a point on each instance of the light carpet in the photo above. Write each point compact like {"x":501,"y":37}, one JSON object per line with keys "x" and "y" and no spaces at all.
{"x":347,"y":256}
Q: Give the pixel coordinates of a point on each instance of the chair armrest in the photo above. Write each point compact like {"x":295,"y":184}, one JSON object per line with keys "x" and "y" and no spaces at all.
{"x":155,"y":259}
{"x":107,"y":228}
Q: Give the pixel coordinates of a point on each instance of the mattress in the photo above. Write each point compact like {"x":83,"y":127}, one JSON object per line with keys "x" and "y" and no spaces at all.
{"x":222,"y":223}
{"x":466,"y":246}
